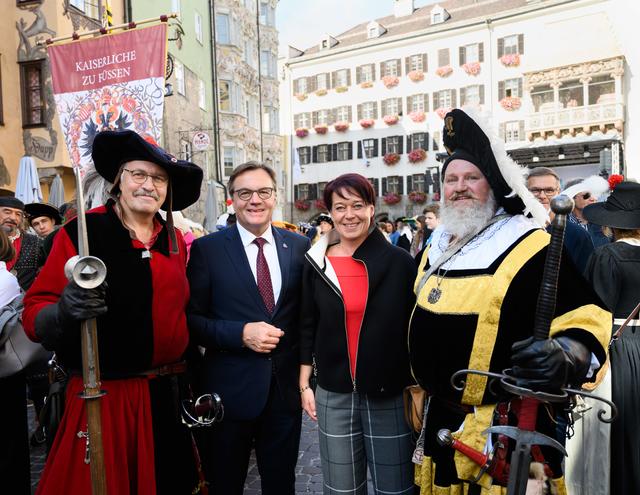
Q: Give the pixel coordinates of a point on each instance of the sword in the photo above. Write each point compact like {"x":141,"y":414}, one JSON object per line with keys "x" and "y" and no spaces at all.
{"x":89,"y":272}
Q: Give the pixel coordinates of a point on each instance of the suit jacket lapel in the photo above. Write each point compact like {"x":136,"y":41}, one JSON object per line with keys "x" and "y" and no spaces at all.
{"x":235,"y":251}
{"x":284,"y":259}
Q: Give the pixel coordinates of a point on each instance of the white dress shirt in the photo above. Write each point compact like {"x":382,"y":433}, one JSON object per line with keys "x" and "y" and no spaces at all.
{"x":270,"y":253}
{"x":9,"y":288}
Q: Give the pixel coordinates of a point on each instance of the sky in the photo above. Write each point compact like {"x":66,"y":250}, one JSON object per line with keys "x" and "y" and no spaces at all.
{"x":303,"y":23}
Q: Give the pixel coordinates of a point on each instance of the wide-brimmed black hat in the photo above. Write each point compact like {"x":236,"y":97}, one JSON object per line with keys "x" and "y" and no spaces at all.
{"x":35,"y":210}
{"x":113,"y":148}
{"x":621,"y":210}
{"x":11,"y":202}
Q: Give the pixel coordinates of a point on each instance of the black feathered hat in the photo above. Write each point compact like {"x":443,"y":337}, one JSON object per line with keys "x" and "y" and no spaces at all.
{"x":111,"y":149}
{"x":35,"y":210}
{"x":621,"y":210}
{"x":465,"y":139}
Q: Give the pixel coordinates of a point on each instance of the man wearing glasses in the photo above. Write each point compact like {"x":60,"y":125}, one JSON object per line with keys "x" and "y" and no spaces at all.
{"x":544,"y":184}
{"x":244,"y":310}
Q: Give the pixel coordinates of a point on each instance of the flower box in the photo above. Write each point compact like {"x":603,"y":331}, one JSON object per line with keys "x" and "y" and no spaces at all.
{"x":366,"y":123}
{"x":321,"y":128}
{"x":472,"y":68}
{"x":391,"y":198}
{"x":418,"y":197}
{"x":441,"y":112}
{"x":366,"y":84}
{"x":390,"y":119}
{"x":301,"y":96}
{"x":321,"y":92}
{"x":302,"y":132}
{"x":342,"y":89}
{"x":391,"y":158}
{"x":390,"y":81}
{"x":436,"y":197}
{"x":510,"y":60}
{"x":417,"y":155}
{"x":416,"y":75}
{"x":510,"y":103}
{"x":417,"y":116}
{"x":444,"y":71}
{"x":320,"y":205}
{"x":302,"y":204}
{"x":341,"y":126}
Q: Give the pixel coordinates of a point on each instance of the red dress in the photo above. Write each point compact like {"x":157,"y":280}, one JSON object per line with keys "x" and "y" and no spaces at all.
{"x":130,"y":415}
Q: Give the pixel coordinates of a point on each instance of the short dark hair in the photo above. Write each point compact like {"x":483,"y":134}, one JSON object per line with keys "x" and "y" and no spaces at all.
{"x":543,"y":171}
{"x":248,"y":167}
{"x":432,"y":208}
{"x":354,"y":183}
{"x":7,"y":251}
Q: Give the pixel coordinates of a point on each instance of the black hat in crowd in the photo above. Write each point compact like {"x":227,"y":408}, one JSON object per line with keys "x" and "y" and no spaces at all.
{"x":11,"y":202}
{"x":113,"y":148}
{"x":323,"y":217}
{"x":36,"y":210}
{"x":465,"y":139}
{"x":621,"y":210}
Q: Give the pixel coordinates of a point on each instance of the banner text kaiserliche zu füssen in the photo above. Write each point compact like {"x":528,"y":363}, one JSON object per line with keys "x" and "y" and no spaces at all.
{"x":113,"y":82}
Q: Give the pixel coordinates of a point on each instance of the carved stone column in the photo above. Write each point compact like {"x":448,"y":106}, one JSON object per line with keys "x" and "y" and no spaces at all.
{"x":585,"y":89}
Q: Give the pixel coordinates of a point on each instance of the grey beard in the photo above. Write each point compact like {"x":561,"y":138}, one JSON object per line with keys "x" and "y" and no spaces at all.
{"x":461,"y":221}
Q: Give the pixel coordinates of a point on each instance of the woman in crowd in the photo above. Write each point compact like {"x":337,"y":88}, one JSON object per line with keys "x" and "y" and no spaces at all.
{"x":614,"y":271}
{"x":352,"y":277}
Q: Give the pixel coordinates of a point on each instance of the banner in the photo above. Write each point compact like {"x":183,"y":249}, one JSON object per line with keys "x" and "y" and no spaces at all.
{"x":112,"y":82}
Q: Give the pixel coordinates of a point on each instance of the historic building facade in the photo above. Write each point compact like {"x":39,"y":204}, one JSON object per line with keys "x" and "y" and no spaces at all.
{"x":553,"y":74}
{"x":28,"y":121}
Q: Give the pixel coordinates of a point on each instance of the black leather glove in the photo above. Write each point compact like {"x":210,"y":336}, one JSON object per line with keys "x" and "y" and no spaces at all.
{"x":548,"y":365}
{"x":75,"y":304}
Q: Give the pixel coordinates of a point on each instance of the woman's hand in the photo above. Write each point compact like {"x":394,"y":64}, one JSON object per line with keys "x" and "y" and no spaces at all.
{"x":307,"y":397}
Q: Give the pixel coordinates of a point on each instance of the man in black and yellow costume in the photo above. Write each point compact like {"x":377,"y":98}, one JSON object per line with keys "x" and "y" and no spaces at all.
{"x":476,"y":290}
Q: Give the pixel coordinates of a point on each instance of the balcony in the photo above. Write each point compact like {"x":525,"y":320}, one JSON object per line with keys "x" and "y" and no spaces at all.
{"x":602,"y":116}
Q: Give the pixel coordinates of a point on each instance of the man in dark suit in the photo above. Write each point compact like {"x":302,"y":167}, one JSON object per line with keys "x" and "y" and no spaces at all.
{"x":244,"y":310}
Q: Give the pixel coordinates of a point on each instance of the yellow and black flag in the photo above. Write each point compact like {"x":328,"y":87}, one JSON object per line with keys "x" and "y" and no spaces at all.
{"x":107,"y":18}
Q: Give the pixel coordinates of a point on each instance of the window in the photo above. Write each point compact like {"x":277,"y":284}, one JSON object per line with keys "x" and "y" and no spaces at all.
{"x":513,"y":132}
{"x":300,"y":86}
{"x":341,"y":78}
{"x":571,"y":94}
{"x":417,"y":182}
{"x":202,"y":95}
{"x":322,"y":81}
{"x":443,"y":57}
{"x":510,"y":87}
{"x":436,"y":18}
{"x":368,"y":110}
{"x":302,"y":120}
{"x":321,"y":188}
{"x":91,"y":8}
{"x":390,"y":68}
{"x":249,"y":50}
{"x":224,"y":90}
{"x":444,"y":99}
{"x":344,"y":150}
{"x":392,"y":106}
{"x":303,"y":191}
{"x":601,"y":90}
{"x":542,"y":98}
{"x":418,"y":103}
{"x":365,"y":73}
{"x":472,"y":53}
{"x":394,"y":184}
{"x":267,"y":14}
{"x":270,"y":120}
{"x":394,"y":144}
{"x":343,"y":114}
{"x":32,"y":93}
{"x":179,"y":72}
{"x":369,"y":146}
{"x":417,"y":62}
{"x":198,"y":28}
{"x":227,"y":159}
{"x":268,"y":64}
{"x":373,"y":32}
{"x":176,"y":7}
{"x":472,"y":95}
{"x":510,"y":44}
{"x":304,"y":153}
{"x":323,"y":153}
{"x":419,"y":140}
{"x":250,"y":111}
{"x":223,"y":32}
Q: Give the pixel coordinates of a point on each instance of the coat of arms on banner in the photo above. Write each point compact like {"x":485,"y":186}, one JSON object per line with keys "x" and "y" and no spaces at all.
{"x":110,"y":83}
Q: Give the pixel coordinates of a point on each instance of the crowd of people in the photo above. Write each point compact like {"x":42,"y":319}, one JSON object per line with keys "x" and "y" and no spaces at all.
{"x":333,"y":320}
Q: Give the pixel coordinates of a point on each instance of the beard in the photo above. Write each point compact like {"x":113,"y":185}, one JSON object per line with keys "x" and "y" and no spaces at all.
{"x":462,"y":220}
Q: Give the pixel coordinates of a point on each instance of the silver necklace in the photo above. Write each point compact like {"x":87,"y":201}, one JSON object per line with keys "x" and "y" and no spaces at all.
{"x":436,"y":292}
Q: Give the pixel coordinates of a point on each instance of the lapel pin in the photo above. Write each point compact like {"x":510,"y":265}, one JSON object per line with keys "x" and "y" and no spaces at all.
{"x":284,"y":245}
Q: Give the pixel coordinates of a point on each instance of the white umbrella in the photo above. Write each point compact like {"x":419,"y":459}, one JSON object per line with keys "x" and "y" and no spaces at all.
{"x":210,"y":208}
{"x":28,"y":183}
{"x":56,"y":192}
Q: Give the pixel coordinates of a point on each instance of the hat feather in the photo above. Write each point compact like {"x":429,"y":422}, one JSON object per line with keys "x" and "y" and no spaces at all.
{"x":594,"y":184}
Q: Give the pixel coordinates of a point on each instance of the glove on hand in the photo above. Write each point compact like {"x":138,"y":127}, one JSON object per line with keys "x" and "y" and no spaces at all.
{"x":75,"y":304}
{"x":548,"y":365}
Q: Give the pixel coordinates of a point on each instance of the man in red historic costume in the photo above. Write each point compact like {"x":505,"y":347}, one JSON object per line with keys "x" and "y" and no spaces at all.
{"x":142,"y":329}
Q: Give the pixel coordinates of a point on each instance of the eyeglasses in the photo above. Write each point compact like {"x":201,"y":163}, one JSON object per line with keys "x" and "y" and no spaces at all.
{"x":140,"y":177}
{"x":247,"y":194}
{"x":586,"y":195}
{"x":549,"y":192}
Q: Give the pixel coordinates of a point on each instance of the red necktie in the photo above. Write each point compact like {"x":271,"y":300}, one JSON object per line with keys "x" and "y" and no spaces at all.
{"x":264,"y":277}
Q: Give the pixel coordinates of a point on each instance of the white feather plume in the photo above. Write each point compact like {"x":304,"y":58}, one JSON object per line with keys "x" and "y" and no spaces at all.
{"x":514,"y":175}
{"x":595,"y":184}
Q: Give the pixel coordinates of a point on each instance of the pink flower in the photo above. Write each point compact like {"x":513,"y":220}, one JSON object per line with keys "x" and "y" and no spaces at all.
{"x":444,"y":71}
{"x":302,"y":132}
{"x":390,"y":81}
{"x":366,"y":123}
{"x":510,"y":60}
{"x":472,"y":68}
{"x":416,"y":75}
{"x":417,"y":116}
{"x":390,"y":119}
{"x":418,"y":197}
{"x":391,"y":158}
{"x":321,"y":128}
{"x":442,"y":112}
{"x":510,"y":103}
{"x":341,"y":126}
{"x":366,"y":84}
{"x":391,"y":198}
{"x":302,"y":204}
{"x":417,"y":155}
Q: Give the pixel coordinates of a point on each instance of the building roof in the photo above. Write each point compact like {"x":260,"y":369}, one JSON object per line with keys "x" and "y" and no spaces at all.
{"x":420,"y":20}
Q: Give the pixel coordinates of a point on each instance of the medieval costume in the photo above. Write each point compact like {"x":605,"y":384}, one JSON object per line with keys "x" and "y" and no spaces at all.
{"x":474,"y":307}
{"x":614,"y":271}
{"x":142,"y":337}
